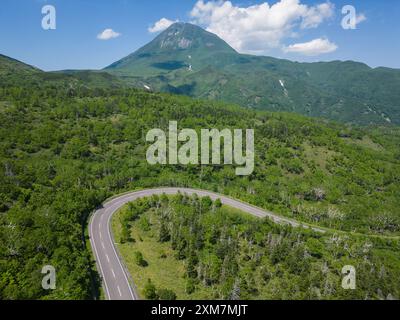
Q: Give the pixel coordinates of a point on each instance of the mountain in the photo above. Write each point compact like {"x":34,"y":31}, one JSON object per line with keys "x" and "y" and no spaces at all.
{"x":12,"y":70}
{"x":17,"y":73}
{"x":7,"y":64}
{"x":182,"y":45}
{"x":185,"y":59}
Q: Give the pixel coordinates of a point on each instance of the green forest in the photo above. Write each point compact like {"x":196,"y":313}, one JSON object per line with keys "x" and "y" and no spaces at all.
{"x":65,"y":148}
{"x":188,"y":247}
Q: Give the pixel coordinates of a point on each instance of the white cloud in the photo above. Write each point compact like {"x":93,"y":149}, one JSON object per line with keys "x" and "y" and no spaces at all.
{"x":312,"y":48}
{"x":108,"y":34}
{"x":258,"y":28}
{"x":314,"y":16}
{"x":161,"y":25}
{"x":360,"y":18}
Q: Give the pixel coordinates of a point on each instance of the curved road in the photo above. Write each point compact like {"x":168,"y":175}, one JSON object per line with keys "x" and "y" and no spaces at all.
{"x":115,"y":277}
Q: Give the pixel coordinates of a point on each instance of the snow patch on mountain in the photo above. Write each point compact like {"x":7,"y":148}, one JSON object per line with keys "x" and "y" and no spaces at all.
{"x":184,"y":43}
{"x":282,"y":83}
{"x":386,"y":118}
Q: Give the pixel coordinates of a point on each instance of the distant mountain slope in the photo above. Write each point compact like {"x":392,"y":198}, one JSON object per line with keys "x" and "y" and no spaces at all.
{"x":7,"y":64}
{"x":17,"y":73}
{"x":185,"y":59}
{"x":12,"y":71}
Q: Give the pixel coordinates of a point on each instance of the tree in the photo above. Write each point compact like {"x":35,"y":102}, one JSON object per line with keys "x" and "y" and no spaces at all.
{"x":144,"y":223}
{"x":126,"y":234}
{"x":206,"y":204}
{"x":235,"y":293}
{"x":190,"y":286}
{"x":150,"y":291}
{"x":163,"y":235}
{"x":218,"y":203}
{"x":166,"y":294}
{"x":191,"y":264}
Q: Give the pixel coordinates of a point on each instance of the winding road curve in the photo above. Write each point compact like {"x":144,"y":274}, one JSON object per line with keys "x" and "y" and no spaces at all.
{"x":116,"y":279}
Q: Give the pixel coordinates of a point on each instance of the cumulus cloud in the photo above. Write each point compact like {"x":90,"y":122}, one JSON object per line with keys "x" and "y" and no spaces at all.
{"x":312,"y":48}
{"x":161,"y":25}
{"x":314,"y":16}
{"x":108,"y":34}
{"x":259,"y":28}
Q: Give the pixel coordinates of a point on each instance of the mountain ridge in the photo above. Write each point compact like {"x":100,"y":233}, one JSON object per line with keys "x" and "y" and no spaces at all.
{"x":345,"y":91}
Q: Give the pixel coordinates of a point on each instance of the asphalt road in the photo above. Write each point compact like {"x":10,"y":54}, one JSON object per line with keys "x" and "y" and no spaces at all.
{"x":116,"y":279}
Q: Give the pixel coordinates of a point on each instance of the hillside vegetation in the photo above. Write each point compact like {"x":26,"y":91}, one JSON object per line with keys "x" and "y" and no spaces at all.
{"x":64,"y":150}
{"x":193,"y":248}
{"x":14,"y":73}
{"x":69,"y":140}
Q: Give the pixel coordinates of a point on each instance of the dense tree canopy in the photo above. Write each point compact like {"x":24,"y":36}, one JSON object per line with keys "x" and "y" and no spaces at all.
{"x":64,"y":150}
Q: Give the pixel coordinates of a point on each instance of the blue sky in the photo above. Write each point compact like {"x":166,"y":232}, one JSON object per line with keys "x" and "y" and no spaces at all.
{"x":75,"y":44}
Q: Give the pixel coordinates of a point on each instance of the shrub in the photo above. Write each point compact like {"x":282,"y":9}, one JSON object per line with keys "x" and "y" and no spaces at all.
{"x":150,"y":291}
{"x":166,"y":294}
{"x":139,"y":260}
{"x":190,"y":286}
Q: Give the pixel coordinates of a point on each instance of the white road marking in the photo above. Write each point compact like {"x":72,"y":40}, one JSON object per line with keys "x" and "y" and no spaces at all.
{"x":115,"y":252}
{"x":108,"y":259}
{"x":112,"y":270}
{"x":98,"y":260}
{"x":119,"y":291}
{"x":102,"y":244}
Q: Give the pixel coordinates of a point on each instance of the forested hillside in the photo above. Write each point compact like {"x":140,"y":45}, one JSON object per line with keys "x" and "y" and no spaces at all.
{"x":18,"y":74}
{"x":193,"y":248}
{"x":63,"y":152}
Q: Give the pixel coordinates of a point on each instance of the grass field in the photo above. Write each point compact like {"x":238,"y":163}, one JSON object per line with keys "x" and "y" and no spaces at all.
{"x":163,"y":269}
